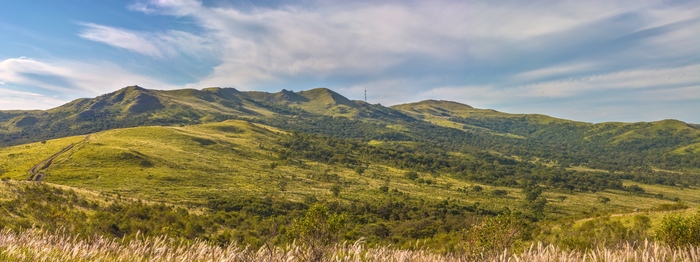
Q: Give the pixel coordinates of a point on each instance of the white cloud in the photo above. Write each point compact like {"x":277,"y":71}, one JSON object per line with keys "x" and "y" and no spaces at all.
{"x":628,"y":79}
{"x":18,"y":100}
{"x":553,"y":71}
{"x":72,"y":78}
{"x":154,"y":44}
{"x":362,"y":39}
{"x":121,"y":38}
{"x":666,"y":84}
{"x":685,"y":93}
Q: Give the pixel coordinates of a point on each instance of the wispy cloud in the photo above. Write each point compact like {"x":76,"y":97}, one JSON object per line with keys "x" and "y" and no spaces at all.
{"x":154,"y":44}
{"x":553,"y":71}
{"x":71,"y":78}
{"x":18,"y":100}
{"x":121,"y":38}
{"x":678,"y":81}
{"x":365,"y":40}
{"x":628,"y":79}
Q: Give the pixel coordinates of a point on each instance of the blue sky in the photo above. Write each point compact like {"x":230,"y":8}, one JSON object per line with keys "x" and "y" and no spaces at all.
{"x":591,"y":61}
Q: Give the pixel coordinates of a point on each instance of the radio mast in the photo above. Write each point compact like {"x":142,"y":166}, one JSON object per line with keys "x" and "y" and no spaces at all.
{"x":365,"y":95}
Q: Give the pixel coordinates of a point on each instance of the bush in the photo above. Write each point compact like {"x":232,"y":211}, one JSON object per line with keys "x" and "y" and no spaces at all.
{"x":499,"y":192}
{"x":335,"y":189}
{"x":412,"y":175}
{"x":317,"y":230}
{"x":677,"y":230}
{"x":493,"y":234}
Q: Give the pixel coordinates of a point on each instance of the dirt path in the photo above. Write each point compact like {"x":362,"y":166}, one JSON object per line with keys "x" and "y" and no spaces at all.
{"x":34,"y":172}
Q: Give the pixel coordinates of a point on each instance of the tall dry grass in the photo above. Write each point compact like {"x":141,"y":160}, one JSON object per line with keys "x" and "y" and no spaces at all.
{"x":38,"y":245}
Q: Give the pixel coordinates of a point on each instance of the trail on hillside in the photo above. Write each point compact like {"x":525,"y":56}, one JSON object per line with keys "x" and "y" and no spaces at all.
{"x":34,"y":172}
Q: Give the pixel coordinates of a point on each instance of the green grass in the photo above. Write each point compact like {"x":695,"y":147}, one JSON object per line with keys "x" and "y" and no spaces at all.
{"x":187,"y":164}
{"x":16,"y":161}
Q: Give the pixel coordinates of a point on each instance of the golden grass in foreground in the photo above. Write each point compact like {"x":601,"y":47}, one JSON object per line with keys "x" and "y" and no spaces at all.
{"x":37,"y":245}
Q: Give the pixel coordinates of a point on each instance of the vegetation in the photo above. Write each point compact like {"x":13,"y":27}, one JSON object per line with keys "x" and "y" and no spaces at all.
{"x":36,"y":245}
{"x":266,"y":176}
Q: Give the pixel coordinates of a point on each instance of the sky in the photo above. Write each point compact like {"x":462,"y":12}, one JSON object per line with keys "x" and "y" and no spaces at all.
{"x":593,"y":61}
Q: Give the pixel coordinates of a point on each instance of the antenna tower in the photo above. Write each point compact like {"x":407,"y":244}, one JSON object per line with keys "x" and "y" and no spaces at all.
{"x":365,"y":95}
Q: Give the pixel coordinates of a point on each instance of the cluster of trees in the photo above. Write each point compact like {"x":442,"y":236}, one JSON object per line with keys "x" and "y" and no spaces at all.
{"x":597,"y":146}
{"x":478,"y":166}
{"x":398,"y":220}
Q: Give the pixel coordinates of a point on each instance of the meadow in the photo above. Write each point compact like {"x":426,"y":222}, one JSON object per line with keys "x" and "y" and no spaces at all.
{"x":237,"y":190}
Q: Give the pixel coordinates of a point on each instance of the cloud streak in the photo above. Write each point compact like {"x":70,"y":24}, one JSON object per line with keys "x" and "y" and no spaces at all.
{"x":18,"y":100}
{"x":154,"y":44}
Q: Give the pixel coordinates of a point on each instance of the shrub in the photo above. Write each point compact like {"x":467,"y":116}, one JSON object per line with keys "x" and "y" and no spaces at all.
{"x":493,"y":234}
{"x":412,"y":175}
{"x":335,"y":189}
{"x":677,"y":230}
{"x":318,"y":230}
{"x":499,"y":192}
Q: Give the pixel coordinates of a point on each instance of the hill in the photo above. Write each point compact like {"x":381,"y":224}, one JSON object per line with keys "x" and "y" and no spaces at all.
{"x":666,"y":145}
{"x":135,"y":106}
{"x":260,"y":175}
{"x":604,"y":146}
{"x":250,"y":167}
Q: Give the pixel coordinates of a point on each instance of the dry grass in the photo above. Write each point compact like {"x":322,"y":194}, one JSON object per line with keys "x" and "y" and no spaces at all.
{"x":37,"y":245}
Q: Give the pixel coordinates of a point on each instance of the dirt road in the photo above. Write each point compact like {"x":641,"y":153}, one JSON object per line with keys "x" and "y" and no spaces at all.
{"x":34,"y":172}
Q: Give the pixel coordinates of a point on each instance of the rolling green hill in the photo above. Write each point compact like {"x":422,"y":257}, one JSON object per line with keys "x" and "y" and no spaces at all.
{"x":136,"y":106}
{"x":228,"y":166}
{"x":233,"y":179}
{"x":669,"y":144}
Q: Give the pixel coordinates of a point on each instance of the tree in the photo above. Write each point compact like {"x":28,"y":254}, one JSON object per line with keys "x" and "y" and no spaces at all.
{"x":532,"y":193}
{"x":477,"y":189}
{"x":411,"y":175}
{"x":317,"y":230}
{"x":677,"y":230}
{"x":336,"y":190}
{"x":499,"y":193}
{"x":493,"y":234}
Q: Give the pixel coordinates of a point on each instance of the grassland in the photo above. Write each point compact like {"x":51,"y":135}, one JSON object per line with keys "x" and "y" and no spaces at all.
{"x":188,"y":166}
{"x":237,"y":158}
{"x":426,"y":177}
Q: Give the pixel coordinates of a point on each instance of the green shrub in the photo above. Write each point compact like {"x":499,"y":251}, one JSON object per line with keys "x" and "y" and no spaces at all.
{"x":677,"y":230}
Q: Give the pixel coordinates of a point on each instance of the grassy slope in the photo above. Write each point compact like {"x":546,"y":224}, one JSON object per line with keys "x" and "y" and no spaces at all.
{"x":186,"y":164}
{"x":16,"y":161}
{"x":440,"y":112}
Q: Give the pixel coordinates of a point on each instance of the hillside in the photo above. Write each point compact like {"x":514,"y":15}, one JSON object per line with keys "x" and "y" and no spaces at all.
{"x":249,"y":167}
{"x":667,"y":145}
{"x":235,"y":157}
{"x":259,"y":174}
{"x":569,"y":142}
